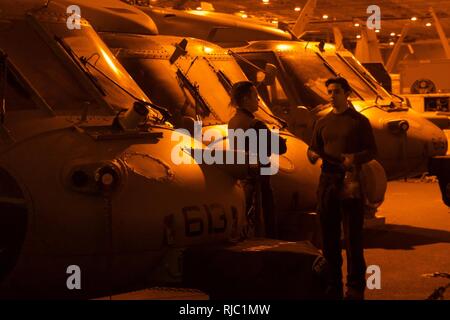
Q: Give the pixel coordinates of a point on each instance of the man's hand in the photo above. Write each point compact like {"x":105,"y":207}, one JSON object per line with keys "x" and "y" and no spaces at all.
{"x":348,"y":160}
{"x":312,"y":156}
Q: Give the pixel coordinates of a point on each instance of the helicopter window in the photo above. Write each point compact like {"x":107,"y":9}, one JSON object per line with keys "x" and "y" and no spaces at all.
{"x":273,"y":94}
{"x":256,"y":76}
{"x":17,"y":97}
{"x":201,"y":107}
{"x":308,"y":74}
{"x":96,"y":61}
{"x":368,"y":76}
{"x":234,"y":73}
{"x":352,"y":77}
{"x":33,"y":74}
{"x":205,"y":83}
{"x":156,"y":78}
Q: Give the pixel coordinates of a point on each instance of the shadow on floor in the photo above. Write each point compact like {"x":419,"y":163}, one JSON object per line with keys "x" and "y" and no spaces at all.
{"x":403,"y":237}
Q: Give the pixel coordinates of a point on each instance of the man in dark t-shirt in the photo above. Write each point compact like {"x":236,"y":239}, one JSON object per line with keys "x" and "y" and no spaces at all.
{"x":344,"y":140}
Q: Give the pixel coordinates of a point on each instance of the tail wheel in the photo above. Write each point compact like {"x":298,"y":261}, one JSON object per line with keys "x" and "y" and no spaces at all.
{"x":13,"y":222}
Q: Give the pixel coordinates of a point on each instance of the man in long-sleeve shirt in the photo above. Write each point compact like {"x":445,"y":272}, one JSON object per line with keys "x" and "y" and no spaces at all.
{"x":344,"y":140}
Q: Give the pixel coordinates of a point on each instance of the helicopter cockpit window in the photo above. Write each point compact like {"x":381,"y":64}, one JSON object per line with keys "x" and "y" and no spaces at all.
{"x":357,"y":66}
{"x":203,"y":84}
{"x":358,"y":84}
{"x":274,"y":95}
{"x":16,"y":94}
{"x":66,"y":93}
{"x":156,"y":78}
{"x":96,"y":61}
{"x":231,"y":70}
{"x":308,"y":74}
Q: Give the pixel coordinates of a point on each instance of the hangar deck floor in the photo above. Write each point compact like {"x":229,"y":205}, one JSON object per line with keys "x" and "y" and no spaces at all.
{"x":414,"y":241}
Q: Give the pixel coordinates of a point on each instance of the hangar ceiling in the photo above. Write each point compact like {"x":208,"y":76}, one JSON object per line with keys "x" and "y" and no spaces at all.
{"x":343,"y":13}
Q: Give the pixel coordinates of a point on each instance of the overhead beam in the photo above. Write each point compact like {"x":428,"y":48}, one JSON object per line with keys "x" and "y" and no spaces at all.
{"x":396,"y":50}
{"x":368,"y":48}
{"x":441,"y":33}
{"x":338,"y":38}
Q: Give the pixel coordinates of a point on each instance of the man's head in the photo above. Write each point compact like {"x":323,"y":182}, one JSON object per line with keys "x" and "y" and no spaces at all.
{"x":245,"y":96}
{"x":339,"y":90}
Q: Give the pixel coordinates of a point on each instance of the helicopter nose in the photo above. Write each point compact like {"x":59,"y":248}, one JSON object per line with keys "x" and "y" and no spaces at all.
{"x":438,"y":144}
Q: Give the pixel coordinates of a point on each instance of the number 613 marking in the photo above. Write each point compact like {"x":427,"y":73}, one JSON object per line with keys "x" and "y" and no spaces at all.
{"x":216,"y":219}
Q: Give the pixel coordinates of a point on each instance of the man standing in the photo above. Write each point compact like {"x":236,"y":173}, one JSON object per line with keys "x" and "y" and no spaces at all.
{"x":244,"y":97}
{"x":344,"y":140}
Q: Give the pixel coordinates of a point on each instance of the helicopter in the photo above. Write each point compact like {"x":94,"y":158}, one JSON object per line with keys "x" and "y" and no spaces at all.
{"x":86,"y":176}
{"x":407,"y":142}
{"x":195,"y":78}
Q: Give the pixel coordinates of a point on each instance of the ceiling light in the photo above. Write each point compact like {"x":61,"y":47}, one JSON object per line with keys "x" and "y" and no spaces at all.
{"x":392,"y":34}
{"x":358,"y":36}
{"x":298,"y":9}
{"x":325,"y":16}
{"x":356,"y":24}
{"x":414,"y":18}
{"x":377,"y":30}
{"x":199,"y":8}
{"x":428,"y":24}
{"x":391,"y":43}
{"x":265,"y":1}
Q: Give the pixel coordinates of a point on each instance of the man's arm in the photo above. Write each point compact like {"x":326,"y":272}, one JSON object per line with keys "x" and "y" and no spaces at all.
{"x":368,"y":145}
{"x":315,"y":150}
{"x":282,"y":147}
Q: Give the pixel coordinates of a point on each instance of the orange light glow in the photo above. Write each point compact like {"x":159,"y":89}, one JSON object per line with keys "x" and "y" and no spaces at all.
{"x":109,"y":61}
{"x":283,"y":47}
{"x":208,"y":50}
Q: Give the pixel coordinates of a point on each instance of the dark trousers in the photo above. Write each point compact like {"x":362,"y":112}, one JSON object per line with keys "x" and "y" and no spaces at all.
{"x":333,"y":210}
{"x":259,"y":197}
